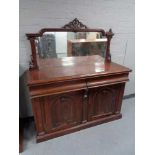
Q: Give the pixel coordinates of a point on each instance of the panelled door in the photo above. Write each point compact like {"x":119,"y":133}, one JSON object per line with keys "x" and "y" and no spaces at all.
{"x":63,"y":110}
{"x":104,"y":100}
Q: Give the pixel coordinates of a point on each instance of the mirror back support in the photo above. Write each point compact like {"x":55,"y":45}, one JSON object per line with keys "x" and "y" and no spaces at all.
{"x":75,"y":27}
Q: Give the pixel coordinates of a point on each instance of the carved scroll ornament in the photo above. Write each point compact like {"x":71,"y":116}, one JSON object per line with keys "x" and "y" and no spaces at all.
{"x":75,"y":24}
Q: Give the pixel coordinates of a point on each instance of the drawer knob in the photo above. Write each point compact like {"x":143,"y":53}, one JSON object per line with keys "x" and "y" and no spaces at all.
{"x":85,"y":95}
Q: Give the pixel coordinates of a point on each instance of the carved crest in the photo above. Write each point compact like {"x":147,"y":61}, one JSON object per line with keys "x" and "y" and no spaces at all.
{"x":75,"y":24}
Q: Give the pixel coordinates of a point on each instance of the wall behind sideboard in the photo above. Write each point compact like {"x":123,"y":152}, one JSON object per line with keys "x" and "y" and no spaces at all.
{"x":115,"y":14}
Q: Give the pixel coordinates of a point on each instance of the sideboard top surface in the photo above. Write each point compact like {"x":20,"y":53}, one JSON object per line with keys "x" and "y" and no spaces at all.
{"x":70,"y":68}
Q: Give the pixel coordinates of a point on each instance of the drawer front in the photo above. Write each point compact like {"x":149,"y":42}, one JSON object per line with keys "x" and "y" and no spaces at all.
{"x":62,"y":111}
{"x":105,"y":100}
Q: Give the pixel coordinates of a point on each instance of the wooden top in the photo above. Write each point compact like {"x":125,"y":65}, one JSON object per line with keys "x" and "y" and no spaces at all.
{"x":69,"y":68}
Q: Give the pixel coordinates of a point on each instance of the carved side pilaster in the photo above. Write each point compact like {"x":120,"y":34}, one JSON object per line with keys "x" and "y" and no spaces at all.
{"x":33,"y":62}
{"x":109,"y":36}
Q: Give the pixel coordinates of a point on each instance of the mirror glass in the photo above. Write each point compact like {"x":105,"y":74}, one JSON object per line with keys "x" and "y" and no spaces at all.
{"x":64,"y":44}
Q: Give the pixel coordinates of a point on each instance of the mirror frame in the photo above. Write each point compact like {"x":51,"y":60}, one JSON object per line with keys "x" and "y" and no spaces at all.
{"x":73,"y":26}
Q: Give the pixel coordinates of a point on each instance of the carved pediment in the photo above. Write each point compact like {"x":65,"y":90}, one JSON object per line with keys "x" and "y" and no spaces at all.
{"x":75,"y":24}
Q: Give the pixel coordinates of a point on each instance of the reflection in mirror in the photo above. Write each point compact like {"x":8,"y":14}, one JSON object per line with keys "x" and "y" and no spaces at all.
{"x":63,"y":44}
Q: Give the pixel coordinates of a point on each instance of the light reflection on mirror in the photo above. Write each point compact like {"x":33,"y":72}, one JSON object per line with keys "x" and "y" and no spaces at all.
{"x":64,"y":44}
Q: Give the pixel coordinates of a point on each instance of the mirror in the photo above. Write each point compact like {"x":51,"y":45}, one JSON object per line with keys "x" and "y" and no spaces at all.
{"x":64,"y":44}
{"x":73,"y":39}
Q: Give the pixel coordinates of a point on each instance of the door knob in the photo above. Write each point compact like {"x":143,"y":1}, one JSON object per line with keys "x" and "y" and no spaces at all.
{"x":86,"y":93}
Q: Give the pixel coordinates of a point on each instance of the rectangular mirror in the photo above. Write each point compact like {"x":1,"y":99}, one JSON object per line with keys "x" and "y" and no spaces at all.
{"x":66,"y":44}
{"x":71,"y":40}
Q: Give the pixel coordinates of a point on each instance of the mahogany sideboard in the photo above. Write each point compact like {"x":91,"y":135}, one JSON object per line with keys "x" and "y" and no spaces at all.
{"x":72,"y":93}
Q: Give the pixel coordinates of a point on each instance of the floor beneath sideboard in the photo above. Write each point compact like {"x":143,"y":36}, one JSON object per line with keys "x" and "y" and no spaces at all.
{"x":113,"y":138}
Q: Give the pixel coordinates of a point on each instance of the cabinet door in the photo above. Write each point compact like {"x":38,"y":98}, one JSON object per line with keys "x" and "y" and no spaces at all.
{"x":62,"y":111}
{"x":105,"y":100}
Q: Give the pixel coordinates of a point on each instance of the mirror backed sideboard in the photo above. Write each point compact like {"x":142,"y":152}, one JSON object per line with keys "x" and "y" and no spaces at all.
{"x":72,"y":82}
